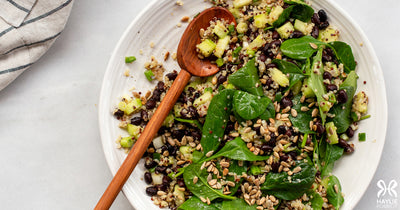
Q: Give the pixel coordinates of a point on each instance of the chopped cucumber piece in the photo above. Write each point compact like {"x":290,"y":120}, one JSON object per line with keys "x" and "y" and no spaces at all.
{"x":133,"y":130}
{"x":169,"y":121}
{"x":328,"y":35}
{"x":178,"y":195}
{"x":331,"y":133}
{"x":206,"y":47}
{"x":362,"y":137}
{"x":241,"y":3}
{"x":220,"y":30}
{"x":206,"y":97}
{"x":303,"y":27}
{"x":306,"y":89}
{"x":129,"y":107}
{"x":242,"y":27}
{"x":332,"y":69}
{"x":286,"y":30}
{"x":127,"y":142}
{"x":274,"y":14}
{"x":222,"y":44}
{"x":279,"y":77}
{"x":219,"y":62}
{"x":130,"y":59}
{"x":360,"y":103}
{"x":260,"y":20}
{"x":258,"y":42}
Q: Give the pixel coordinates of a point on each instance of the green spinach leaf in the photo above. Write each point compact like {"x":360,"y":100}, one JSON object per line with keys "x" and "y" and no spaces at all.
{"x":283,"y":17}
{"x":335,"y":198}
{"x":195,"y":203}
{"x":329,"y":154}
{"x":315,"y":199}
{"x":249,"y":106}
{"x":237,"y":150}
{"x":316,"y":82}
{"x":288,"y":187}
{"x":201,"y":188}
{"x":237,"y":204}
{"x":301,"y":11}
{"x":300,"y":48}
{"x":216,"y":120}
{"x":302,"y":120}
{"x":247,"y":79}
{"x":342,"y":112}
{"x":344,"y":54}
{"x":268,"y":113}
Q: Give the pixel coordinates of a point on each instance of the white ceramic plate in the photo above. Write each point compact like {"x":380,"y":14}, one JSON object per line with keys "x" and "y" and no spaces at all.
{"x":158,"y":24}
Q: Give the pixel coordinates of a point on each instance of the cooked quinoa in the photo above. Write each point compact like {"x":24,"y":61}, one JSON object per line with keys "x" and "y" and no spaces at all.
{"x":265,"y":131}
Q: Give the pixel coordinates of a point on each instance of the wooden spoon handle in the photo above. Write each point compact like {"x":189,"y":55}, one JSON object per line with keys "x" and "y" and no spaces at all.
{"x":144,"y":140}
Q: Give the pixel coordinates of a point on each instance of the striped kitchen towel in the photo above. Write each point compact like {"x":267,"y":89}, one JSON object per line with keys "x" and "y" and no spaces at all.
{"x":27,"y":30}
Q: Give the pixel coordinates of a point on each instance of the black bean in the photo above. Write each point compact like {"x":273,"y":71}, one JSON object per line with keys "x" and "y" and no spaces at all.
{"x":257,"y":129}
{"x":221,"y":79}
{"x":323,"y":25}
{"x":289,"y":132}
{"x":350,"y":132}
{"x":266,"y":148}
{"x":156,"y":95}
{"x":330,"y":52}
{"x":297,"y":34}
{"x":136,"y":120}
{"x":119,"y":113}
{"x":283,"y":157}
{"x":285,"y":102}
{"x":160,"y":86}
{"x":151,"y":191}
{"x":342,"y":97}
{"x":322,"y":15}
{"x":327,"y":75}
{"x":320,"y":128}
{"x":281,"y":129}
{"x":162,"y":187}
{"x":347,"y":147}
{"x":172,"y":75}
{"x":191,"y":89}
{"x":315,"y":19}
{"x":331,"y":87}
{"x":166,"y":180}
{"x":161,"y":169}
{"x":178,"y":134}
{"x":150,"y":104}
{"x":147,"y":177}
{"x":266,"y":48}
{"x":271,"y":65}
{"x":269,"y":82}
{"x":144,"y":115}
{"x":275,"y":35}
{"x":276,"y":43}
{"x":196,"y":134}
{"x":181,"y":183}
{"x":172,"y":150}
{"x":262,"y":58}
{"x":149,"y":164}
{"x":315,"y":32}
{"x":326,"y":57}
{"x":293,"y":155}
{"x":275,"y":167}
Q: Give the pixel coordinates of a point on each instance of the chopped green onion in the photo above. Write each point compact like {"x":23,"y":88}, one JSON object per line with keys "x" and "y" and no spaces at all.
{"x":156,"y":156}
{"x":220,"y":62}
{"x":208,"y":89}
{"x":130,"y":59}
{"x":365,"y":117}
{"x":268,"y":28}
{"x":149,"y":75}
{"x":236,"y":52}
{"x":361,"y":137}
{"x":196,"y":122}
{"x":152,"y":170}
{"x":303,"y":143}
{"x":231,"y":29}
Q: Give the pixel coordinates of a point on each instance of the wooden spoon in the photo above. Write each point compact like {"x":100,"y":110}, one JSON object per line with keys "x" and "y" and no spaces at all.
{"x":191,"y":65}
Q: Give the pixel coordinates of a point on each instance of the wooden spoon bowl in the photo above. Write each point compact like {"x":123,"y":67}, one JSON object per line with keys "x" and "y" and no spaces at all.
{"x":189,"y":62}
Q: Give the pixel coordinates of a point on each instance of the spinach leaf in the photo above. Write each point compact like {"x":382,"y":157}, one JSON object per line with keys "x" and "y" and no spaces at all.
{"x":249,"y":106}
{"x":201,"y":188}
{"x":283,"y":17}
{"x":268,"y":113}
{"x":295,"y":73}
{"x":302,"y":120}
{"x":315,"y":199}
{"x":301,"y":11}
{"x":195,"y":203}
{"x":316,"y":82}
{"x":237,"y":150}
{"x":300,"y":48}
{"x":335,"y":198}
{"x":344,"y":54}
{"x":316,"y":157}
{"x":237,"y":204}
{"x":196,"y":122}
{"x":286,"y":187}
{"x":342,"y":112}
{"x":216,"y":120}
{"x":247,"y":79}
{"x":329,"y":154}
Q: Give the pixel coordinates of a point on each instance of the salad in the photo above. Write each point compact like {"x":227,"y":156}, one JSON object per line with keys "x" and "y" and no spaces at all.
{"x":266,"y":130}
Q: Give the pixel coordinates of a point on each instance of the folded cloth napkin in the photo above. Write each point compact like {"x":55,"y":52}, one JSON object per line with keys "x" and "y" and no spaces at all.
{"x":27,"y":30}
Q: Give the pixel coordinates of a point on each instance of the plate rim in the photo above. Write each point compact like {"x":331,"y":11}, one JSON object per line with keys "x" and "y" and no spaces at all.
{"x":366,"y":43}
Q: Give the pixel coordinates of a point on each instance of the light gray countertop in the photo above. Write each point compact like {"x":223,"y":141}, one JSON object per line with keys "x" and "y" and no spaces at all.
{"x":50,"y":148}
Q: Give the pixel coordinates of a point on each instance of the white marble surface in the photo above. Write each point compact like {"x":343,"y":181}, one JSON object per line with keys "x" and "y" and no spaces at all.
{"x":50,"y":152}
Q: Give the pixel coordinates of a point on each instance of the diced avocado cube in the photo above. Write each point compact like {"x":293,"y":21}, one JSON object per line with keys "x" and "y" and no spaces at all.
{"x":206,"y":97}
{"x":360,"y":103}
{"x":331,"y":68}
{"x":127,"y":142}
{"x":303,"y":27}
{"x":258,"y":42}
{"x":260,"y":20}
{"x":133,"y":130}
{"x":331,"y":133}
{"x":222,"y":44}
{"x":286,"y":30}
{"x":241,"y":3}
{"x":206,"y":47}
{"x":132,"y":106}
{"x":328,"y":35}
{"x":274,"y":14}
{"x":279,"y":77}
{"x":220,"y":30}
{"x":242,"y":27}
{"x":306,"y":89}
